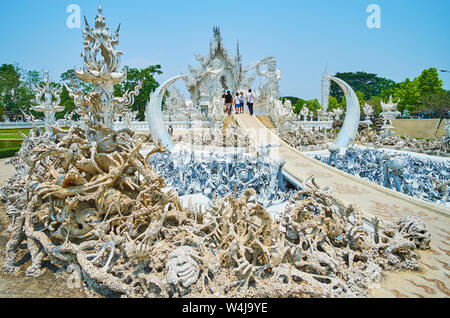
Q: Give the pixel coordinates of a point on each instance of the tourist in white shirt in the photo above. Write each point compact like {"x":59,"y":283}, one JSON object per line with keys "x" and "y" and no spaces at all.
{"x":242,"y":102}
{"x":250,"y":100}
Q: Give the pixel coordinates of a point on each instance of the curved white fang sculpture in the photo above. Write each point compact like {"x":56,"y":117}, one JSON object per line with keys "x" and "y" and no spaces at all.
{"x":352,"y":115}
{"x":155,"y":117}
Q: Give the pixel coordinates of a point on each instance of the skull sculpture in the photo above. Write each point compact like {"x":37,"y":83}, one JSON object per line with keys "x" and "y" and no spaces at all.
{"x":182,"y":267}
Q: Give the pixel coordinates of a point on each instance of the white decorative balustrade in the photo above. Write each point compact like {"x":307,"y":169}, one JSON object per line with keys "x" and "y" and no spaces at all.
{"x":317,"y":125}
{"x":20,"y":125}
{"x":142,"y":126}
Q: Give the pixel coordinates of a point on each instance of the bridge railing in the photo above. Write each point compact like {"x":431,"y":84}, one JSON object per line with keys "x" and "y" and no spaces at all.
{"x":19,"y":125}
{"x":317,"y":124}
{"x":143,"y":125}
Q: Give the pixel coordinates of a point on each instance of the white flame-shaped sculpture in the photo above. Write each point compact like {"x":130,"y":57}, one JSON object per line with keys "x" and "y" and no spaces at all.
{"x":338,"y":113}
{"x":368,"y":111}
{"x":47,"y":99}
{"x":389,"y":113}
{"x":304,"y":113}
{"x":101,"y":106}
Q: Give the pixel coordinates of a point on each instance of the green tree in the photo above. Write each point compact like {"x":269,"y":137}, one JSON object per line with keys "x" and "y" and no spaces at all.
{"x":333,"y":103}
{"x":298,"y":105}
{"x":67,"y":78}
{"x":361,"y":99}
{"x":32,"y":78}
{"x":16,"y":88}
{"x":438,"y":103}
{"x":291,"y":98}
{"x":409,"y":94}
{"x":149,"y":85}
{"x":9,"y":86}
{"x":369,"y":84}
{"x":314,"y":105}
{"x":343,"y":103}
{"x":429,"y":82}
{"x":67,"y":102}
{"x":375,"y":102}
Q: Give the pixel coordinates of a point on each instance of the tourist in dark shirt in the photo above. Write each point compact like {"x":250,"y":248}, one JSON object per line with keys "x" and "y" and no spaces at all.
{"x":228,"y":102}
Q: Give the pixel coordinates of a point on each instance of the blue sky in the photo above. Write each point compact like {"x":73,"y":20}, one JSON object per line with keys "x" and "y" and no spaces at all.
{"x":304,"y":36}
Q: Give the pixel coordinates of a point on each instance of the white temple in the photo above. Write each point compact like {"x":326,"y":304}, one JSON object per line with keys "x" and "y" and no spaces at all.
{"x":218,"y":71}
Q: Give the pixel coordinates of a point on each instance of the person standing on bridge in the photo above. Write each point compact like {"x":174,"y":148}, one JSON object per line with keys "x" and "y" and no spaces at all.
{"x":242,"y":102}
{"x":228,"y":102}
{"x":250,"y":101}
{"x":237,"y":104}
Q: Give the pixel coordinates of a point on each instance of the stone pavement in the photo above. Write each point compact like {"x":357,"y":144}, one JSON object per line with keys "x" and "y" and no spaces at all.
{"x":433,"y":277}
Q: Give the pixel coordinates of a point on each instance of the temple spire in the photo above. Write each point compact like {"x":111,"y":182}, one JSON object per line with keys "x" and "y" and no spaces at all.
{"x":238,"y":51}
{"x":217,"y":36}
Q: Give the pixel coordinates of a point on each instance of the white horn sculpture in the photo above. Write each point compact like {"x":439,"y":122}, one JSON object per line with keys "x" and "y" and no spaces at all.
{"x":155,"y":117}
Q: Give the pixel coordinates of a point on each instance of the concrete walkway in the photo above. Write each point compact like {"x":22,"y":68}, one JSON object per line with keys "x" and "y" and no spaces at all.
{"x":433,"y":278}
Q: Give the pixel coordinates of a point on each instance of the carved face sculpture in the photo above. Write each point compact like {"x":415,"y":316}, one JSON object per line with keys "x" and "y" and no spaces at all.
{"x":182,"y":267}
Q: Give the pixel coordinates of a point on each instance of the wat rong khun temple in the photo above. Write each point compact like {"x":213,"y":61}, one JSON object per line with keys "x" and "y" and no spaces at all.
{"x":195,"y":202}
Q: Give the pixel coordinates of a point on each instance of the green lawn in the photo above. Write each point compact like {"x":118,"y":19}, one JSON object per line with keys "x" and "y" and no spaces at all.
{"x":11,"y":141}
{"x":13,"y":133}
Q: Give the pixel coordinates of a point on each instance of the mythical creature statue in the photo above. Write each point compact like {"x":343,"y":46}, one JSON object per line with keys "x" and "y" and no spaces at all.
{"x":271,"y":89}
{"x":282,"y":114}
{"x":47,"y":99}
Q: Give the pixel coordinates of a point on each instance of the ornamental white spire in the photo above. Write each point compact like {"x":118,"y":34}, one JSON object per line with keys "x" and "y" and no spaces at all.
{"x":389,"y":113}
{"x":326,"y":83}
{"x":101,"y":69}
{"x":47,"y":99}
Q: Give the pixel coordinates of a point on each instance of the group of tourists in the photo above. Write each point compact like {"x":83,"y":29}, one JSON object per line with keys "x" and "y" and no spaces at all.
{"x":237,"y":103}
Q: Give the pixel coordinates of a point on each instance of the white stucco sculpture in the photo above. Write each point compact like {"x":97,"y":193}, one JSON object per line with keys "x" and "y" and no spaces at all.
{"x":174,"y":103}
{"x":325,"y":91}
{"x":351,"y":123}
{"x":155,"y":117}
{"x":304,"y":113}
{"x":270,"y":91}
{"x":368,"y":111}
{"x":47,"y":101}
{"x":101,"y":106}
{"x":182,"y":267}
{"x":388,"y":114}
{"x":281,"y":113}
